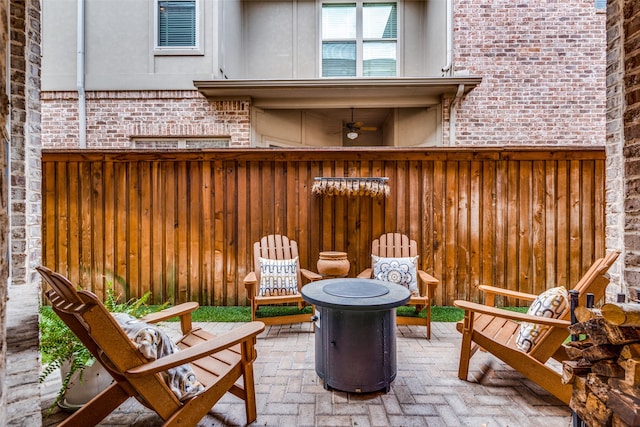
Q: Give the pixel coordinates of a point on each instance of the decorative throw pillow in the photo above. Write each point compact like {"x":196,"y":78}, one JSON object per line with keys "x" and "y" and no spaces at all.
{"x":154,"y":343}
{"x":402,"y":271}
{"x":278,"y":276}
{"x":551,"y":303}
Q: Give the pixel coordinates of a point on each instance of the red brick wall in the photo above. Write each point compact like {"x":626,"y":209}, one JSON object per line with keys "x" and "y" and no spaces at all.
{"x":113,"y":118}
{"x":543,"y":68}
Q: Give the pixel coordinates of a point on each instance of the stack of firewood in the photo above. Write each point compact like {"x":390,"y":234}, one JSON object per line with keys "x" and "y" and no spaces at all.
{"x":604,"y":365}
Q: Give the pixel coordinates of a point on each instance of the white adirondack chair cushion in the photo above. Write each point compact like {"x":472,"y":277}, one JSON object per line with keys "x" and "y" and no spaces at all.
{"x":403,"y":271}
{"x":278,"y":276}
{"x":551,"y":303}
{"x":154,"y":344}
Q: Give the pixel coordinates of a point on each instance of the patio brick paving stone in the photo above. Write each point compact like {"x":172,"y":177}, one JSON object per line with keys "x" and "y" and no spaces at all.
{"x":426,"y":391}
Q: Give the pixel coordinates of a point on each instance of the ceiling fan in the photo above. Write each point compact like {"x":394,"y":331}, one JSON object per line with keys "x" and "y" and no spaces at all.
{"x":354,"y":128}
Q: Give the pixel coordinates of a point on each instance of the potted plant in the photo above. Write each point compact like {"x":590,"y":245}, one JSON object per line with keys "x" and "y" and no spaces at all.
{"x":82,"y":376}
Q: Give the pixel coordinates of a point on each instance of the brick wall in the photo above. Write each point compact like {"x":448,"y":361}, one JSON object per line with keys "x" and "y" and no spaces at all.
{"x":615,"y":139}
{"x":113,"y":118}
{"x":543,"y":67}
{"x":20,"y":401}
{"x":630,"y":26}
{"x":4,"y":229}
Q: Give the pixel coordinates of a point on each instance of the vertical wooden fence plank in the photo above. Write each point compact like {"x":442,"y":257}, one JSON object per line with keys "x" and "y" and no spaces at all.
{"x":524,"y":261}
{"x":462,"y":236}
{"x":74,"y":221}
{"x":562,"y":225}
{"x":538,"y":226}
{"x":476,"y":230}
{"x":551,"y":222}
{"x":450,"y":229}
{"x":120,"y":229}
{"x":439,"y":232}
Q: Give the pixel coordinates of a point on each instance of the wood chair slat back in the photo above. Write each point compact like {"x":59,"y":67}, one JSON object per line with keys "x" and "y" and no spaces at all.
{"x":394,"y":245}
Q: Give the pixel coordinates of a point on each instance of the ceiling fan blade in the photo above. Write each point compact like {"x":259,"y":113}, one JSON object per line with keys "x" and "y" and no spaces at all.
{"x":369,"y":128}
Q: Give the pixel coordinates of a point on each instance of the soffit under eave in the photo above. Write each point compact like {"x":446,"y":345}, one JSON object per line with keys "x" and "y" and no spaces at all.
{"x":336,"y":93}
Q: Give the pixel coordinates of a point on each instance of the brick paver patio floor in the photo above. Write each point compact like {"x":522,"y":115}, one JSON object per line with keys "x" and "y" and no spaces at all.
{"x":426,"y":391}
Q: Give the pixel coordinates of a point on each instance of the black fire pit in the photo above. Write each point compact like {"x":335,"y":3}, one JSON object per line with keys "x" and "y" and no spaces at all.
{"x":355,"y":332}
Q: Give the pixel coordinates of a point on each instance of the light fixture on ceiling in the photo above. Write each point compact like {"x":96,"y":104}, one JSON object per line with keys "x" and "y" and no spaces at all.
{"x":352,"y":134}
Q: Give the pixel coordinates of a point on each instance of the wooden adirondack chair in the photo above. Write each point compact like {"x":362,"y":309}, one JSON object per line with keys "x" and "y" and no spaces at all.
{"x":495,"y":330}
{"x":217,"y":361}
{"x":279,"y":248}
{"x":396,"y":245}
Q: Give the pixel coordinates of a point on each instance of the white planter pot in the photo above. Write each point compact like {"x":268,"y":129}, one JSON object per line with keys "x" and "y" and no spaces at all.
{"x":94,"y":380}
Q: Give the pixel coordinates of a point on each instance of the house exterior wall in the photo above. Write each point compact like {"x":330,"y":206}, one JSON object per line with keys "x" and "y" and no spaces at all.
{"x":542,"y":67}
{"x":4,"y":213}
{"x":629,"y":84}
{"x":20,"y":215}
{"x":240,"y":40}
{"x":615,"y":227}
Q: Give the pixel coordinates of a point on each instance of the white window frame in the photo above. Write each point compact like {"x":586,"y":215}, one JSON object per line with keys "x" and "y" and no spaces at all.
{"x":359,"y":34}
{"x":198,"y":49}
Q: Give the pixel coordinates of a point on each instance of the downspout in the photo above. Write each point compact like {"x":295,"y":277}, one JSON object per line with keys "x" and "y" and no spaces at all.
{"x":453,"y":113}
{"x":82,"y":104}
{"x":447,"y":70}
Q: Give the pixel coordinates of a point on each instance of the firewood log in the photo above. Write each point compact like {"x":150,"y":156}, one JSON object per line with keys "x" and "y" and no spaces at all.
{"x":617,"y":422}
{"x":601,"y":352}
{"x":571,"y":369}
{"x":579,"y":389}
{"x":622,"y":314}
{"x":630,"y":350}
{"x":625,"y":406}
{"x":595,"y":412}
{"x":584,"y":314}
{"x":574,"y":349}
{"x":598,"y":385}
{"x":608,"y":368}
{"x":632,"y":371}
{"x":593,"y":328}
{"x":620,"y":386}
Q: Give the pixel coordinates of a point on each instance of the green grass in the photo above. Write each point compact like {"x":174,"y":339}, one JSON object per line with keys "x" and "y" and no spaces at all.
{"x":243,"y":314}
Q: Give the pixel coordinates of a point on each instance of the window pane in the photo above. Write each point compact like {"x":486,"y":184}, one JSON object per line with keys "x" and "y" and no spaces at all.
{"x":338,"y":21}
{"x":338,"y":59}
{"x":177,"y":23}
{"x":379,"y":59}
{"x":380,"y":21}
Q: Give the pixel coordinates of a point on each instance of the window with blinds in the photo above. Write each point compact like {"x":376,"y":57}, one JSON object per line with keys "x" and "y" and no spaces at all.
{"x":359,"y":39}
{"x":177,"y":24}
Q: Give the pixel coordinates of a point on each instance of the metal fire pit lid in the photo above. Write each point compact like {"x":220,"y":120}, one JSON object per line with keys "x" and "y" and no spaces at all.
{"x":355,"y":294}
{"x":367,"y":289}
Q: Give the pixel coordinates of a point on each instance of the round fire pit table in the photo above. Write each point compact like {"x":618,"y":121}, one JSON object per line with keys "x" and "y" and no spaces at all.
{"x":355,"y":333}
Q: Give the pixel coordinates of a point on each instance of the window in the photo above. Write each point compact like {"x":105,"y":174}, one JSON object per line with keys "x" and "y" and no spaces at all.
{"x":359,"y":39}
{"x":184,"y":143}
{"x":178,"y":25}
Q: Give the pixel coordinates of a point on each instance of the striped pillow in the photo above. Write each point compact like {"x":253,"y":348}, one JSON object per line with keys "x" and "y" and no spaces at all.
{"x":278,"y":276}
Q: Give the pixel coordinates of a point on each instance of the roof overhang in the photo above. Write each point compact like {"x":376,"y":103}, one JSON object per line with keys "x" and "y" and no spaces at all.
{"x":336,"y":93}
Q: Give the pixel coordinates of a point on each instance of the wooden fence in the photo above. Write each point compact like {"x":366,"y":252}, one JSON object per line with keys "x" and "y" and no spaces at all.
{"x":182,"y":224}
